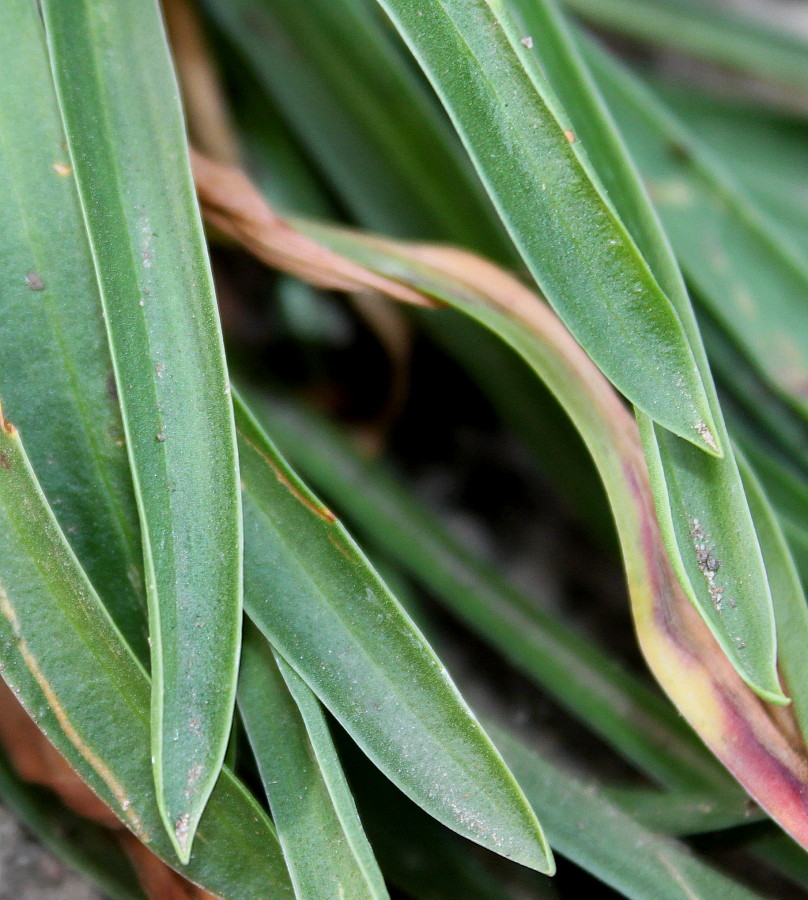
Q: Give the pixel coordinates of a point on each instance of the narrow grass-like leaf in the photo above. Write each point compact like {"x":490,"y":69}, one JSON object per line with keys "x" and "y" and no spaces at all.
{"x":76,"y":677}
{"x":555,"y":208}
{"x":764,"y":151}
{"x":284,"y":172}
{"x":392,"y":517}
{"x":56,"y":377}
{"x":729,"y":248}
{"x":605,"y":841}
{"x":118,"y":95}
{"x":750,"y":402}
{"x":785,"y":857}
{"x":686,"y":813}
{"x":757,"y":620}
{"x":84,"y":845}
{"x":707,"y":30}
{"x":630,"y":716}
{"x":322,"y":838}
{"x":694,"y":493}
{"x":787,"y":489}
{"x":329,"y":615}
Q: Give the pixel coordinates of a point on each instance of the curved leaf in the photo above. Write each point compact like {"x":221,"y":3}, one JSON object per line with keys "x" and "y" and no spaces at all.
{"x":735,"y":256}
{"x":117,"y":93}
{"x":682,"y":652}
{"x":346,"y":90}
{"x":642,"y":726}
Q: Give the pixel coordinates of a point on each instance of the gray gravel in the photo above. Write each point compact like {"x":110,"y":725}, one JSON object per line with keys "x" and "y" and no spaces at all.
{"x":30,"y":872}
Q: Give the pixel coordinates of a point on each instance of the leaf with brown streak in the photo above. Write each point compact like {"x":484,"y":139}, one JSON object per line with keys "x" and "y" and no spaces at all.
{"x":761,"y":751}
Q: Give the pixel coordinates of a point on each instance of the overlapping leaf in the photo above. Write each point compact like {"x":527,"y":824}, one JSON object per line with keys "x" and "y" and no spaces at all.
{"x":731,"y":250}
{"x":631,"y":717}
{"x":79,"y":681}
{"x":324,"y":844}
{"x":56,"y":379}
{"x":554,"y":207}
{"x":681,"y":651}
{"x":348,"y":93}
{"x":329,"y":615}
{"x":696,"y":495}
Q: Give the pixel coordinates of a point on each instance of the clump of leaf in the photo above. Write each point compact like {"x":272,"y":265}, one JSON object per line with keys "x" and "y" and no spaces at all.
{"x":210,"y":678}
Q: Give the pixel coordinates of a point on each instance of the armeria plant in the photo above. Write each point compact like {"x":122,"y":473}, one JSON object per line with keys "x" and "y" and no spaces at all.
{"x":211,"y":689}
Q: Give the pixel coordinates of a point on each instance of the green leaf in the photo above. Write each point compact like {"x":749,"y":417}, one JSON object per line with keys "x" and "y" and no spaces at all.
{"x":746,"y":399}
{"x":680,"y":649}
{"x":424,"y":859}
{"x":317,"y":600}
{"x":784,"y":856}
{"x":118,"y":97}
{"x":787,"y":488}
{"x":555,"y":207}
{"x":606,"y":842}
{"x":633,"y":718}
{"x":319,"y":829}
{"x":764,"y":151}
{"x":684,"y":813}
{"x":56,"y":379}
{"x":676,"y":475}
{"x":285,"y":177}
{"x":76,"y":677}
{"x":695,"y":493}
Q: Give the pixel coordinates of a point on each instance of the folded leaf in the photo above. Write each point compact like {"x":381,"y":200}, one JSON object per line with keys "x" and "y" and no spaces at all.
{"x":118,"y":95}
